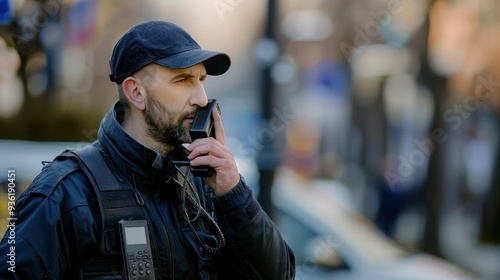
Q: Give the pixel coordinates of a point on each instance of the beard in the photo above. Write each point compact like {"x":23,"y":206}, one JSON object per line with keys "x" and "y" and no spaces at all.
{"x":165,"y":126}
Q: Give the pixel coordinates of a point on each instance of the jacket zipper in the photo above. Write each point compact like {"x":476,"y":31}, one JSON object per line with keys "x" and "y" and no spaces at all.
{"x":156,"y":216}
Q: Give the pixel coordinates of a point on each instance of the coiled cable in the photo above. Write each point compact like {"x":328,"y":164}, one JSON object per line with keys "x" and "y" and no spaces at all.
{"x":201,"y":212}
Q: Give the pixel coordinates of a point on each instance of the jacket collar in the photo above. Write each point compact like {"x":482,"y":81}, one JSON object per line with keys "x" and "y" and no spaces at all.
{"x":128,"y":155}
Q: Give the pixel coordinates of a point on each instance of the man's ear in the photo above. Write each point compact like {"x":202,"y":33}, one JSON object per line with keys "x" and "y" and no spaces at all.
{"x":135,"y":92}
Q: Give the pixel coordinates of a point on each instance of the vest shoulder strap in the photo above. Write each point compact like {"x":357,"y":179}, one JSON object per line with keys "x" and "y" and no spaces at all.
{"x":96,"y":168}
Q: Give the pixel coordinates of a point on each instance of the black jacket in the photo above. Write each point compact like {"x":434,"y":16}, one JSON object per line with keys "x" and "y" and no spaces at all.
{"x":58,"y":222}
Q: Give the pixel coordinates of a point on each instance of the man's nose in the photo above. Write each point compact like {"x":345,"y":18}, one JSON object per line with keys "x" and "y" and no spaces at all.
{"x":199,"y":96}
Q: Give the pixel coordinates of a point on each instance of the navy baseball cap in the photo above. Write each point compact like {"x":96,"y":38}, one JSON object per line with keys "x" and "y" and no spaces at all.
{"x":165,"y":44}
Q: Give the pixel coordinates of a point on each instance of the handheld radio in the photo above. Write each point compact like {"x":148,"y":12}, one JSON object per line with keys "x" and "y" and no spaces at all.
{"x":136,"y":248}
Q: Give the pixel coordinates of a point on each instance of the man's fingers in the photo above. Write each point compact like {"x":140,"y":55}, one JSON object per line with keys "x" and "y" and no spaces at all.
{"x":219,"y":128}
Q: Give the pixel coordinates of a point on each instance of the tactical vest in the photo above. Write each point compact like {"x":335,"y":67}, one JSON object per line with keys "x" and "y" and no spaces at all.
{"x":119,"y":201}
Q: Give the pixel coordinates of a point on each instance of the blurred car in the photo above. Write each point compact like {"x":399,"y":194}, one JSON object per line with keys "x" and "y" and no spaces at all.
{"x":331,"y":241}
{"x":26,"y":159}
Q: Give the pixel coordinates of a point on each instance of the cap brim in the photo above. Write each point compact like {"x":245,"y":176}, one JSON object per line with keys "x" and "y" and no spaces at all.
{"x":216,"y":63}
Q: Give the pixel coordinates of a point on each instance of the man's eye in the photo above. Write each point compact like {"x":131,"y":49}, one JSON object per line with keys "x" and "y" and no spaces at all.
{"x":183,"y":80}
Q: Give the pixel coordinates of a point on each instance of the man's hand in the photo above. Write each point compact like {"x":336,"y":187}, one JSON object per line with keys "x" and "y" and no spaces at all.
{"x":215,"y":153}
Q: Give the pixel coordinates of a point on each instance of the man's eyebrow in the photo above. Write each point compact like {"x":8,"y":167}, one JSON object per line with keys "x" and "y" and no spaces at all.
{"x":182,"y":76}
{"x":186,"y":76}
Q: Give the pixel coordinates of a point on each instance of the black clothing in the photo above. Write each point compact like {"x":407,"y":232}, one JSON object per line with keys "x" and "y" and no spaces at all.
{"x":58,"y":223}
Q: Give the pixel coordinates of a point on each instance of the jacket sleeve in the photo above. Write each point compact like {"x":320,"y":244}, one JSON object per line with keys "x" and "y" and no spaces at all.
{"x":32,"y":252}
{"x":42,"y":241}
{"x":255,"y":247}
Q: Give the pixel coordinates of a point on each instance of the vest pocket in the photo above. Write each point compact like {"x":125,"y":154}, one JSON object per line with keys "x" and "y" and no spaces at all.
{"x":206,"y":261}
{"x":205,"y":238}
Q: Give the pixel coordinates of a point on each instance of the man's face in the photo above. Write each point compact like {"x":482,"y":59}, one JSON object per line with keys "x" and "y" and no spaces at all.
{"x":173,"y":95}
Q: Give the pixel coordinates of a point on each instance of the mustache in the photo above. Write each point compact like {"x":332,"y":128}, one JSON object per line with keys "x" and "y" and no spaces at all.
{"x":189,"y":114}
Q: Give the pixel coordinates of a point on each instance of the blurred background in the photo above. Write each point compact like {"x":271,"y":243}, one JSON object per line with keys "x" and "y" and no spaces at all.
{"x":395,"y":103}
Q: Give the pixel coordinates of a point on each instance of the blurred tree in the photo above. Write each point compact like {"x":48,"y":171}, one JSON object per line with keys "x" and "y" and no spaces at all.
{"x":490,"y":227}
{"x":432,"y":188}
{"x":267,"y":158}
{"x":490,"y":216}
{"x":35,"y":34}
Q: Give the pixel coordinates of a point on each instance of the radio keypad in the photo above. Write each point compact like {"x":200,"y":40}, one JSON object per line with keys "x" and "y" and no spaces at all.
{"x":140,"y":263}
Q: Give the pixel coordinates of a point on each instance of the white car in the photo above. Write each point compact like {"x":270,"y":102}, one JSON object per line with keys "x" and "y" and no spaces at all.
{"x":333,"y":242}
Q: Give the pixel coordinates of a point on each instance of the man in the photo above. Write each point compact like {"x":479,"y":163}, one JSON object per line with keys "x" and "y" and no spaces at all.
{"x":68,"y":226}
